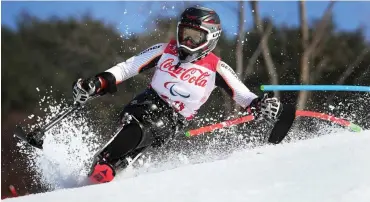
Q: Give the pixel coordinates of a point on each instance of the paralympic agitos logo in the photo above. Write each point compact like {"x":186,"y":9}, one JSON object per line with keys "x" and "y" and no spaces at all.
{"x":171,"y":86}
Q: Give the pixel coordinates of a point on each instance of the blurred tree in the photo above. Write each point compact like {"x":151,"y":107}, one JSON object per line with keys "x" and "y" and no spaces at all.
{"x":310,"y":49}
{"x":239,"y":54}
{"x":259,"y":26}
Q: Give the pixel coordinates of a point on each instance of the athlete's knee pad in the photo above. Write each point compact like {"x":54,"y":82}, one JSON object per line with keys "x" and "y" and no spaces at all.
{"x":154,"y":117}
{"x":133,"y":125}
{"x":147,"y":137}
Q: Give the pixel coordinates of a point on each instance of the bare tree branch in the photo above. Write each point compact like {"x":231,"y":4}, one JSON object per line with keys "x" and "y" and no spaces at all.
{"x":239,"y":42}
{"x":305,"y":71}
{"x":320,"y":47}
{"x":308,"y":49}
{"x":253,"y":59}
{"x":363,"y":75}
{"x":353,"y":66}
{"x":349,"y":71}
{"x":239,"y":46}
{"x":320,"y":31}
{"x":317,"y":71}
{"x":304,"y":24}
{"x":265,"y":49}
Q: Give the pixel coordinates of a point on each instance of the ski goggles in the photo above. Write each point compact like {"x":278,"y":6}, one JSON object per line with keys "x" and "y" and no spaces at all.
{"x":194,"y":37}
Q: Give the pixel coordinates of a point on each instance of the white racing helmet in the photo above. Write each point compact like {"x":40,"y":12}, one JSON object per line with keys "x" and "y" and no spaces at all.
{"x":198,"y":31}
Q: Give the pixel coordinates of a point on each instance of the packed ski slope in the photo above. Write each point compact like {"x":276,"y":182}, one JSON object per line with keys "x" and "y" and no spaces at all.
{"x":333,"y":167}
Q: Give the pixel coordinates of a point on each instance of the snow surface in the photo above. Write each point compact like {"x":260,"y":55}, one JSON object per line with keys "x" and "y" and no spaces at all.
{"x":334,"y":167}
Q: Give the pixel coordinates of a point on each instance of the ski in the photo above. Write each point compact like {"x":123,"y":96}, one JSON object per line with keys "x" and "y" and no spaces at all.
{"x":32,"y":138}
{"x":35,"y":137}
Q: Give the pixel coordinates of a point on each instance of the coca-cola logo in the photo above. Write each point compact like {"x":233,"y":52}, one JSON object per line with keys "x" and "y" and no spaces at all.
{"x":191,"y":75}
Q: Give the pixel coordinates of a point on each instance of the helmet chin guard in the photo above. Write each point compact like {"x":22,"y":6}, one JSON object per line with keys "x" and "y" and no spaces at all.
{"x":198,"y":32}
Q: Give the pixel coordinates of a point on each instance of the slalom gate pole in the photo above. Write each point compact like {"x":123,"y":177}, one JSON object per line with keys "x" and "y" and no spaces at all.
{"x":245,"y":119}
{"x":314,"y":88}
{"x":224,"y":124}
{"x":326,"y":117}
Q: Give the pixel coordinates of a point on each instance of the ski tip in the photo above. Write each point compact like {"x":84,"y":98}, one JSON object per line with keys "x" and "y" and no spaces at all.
{"x":13,"y":191}
{"x":187,"y":134}
{"x":262,"y":87}
{"x":102,"y":173}
{"x":22,"y":135}
{"x":19,"y":132}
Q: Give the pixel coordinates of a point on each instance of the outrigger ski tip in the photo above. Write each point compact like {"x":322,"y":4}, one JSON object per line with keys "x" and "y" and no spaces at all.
{"x":35,"y":138}
{"x":31,"y":138}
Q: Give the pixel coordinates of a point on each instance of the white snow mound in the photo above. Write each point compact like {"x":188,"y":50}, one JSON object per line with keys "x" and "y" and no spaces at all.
{"x":329,"y":168}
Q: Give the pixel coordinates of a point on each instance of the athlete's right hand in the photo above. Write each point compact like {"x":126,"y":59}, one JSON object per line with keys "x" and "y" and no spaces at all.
{"x":83,"y":90}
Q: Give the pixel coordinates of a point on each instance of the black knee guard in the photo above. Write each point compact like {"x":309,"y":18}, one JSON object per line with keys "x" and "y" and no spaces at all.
{"x":130,"y":138}
{"x":136,"y":127}
{"x":150,"y":118}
